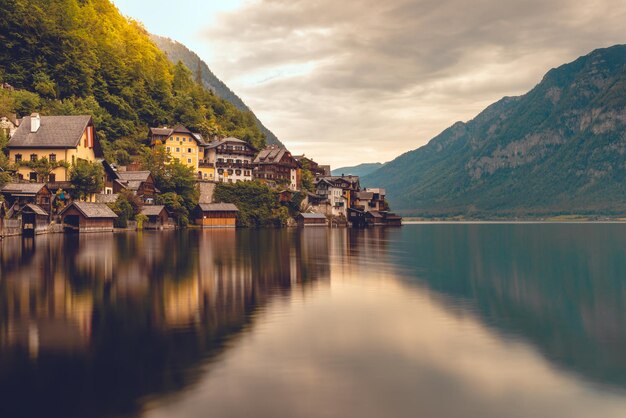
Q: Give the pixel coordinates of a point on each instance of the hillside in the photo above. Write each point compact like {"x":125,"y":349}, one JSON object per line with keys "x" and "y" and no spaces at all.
{"x":84,"y":57}
{"x":558,"y":149}
{"x":176,"y":51}
{"x":358,"y":170}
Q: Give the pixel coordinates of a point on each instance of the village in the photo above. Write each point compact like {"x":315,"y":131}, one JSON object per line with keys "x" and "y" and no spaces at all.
{"x":36,"y":201}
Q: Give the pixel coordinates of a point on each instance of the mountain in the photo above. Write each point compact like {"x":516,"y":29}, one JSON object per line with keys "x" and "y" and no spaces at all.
{"x":176,"y":51}
{"x":67,"y":57}
{"x":558,"y":149}
{"x":358,"y":170}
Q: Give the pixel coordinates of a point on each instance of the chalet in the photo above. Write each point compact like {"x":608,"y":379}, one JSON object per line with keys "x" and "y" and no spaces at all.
{"x":370,"y":200}
{"x":140,"y":183}
{"x":35,"y":220}
{"x":308,"y":164}
{"x":158,"y":217}
{"x":87,"y":217}
{"x":311,"y":219}
{"x":332,"y":199}
{"x":216,"y":215}
{"x":362,"y":218}
{"x":56,"y":138}
{"x":183,"y":145}
{"x":232,"y":159}
{"x":17,"y":195}
{"x":275,"y":165}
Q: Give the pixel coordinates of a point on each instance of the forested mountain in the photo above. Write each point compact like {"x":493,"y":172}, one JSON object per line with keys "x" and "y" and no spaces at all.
{"x":84,"y":57}
{"x":176,"y":51}
{"x":358,"y":170}
{"x":561,"y":148}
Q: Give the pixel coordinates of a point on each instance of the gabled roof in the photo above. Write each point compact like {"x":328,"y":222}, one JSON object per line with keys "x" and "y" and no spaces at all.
{"x":313,"y":216}
{"x":229,"y":140}
{"x":365,"y":195}
{"x":133,"y":175}
{"x":37,"y":210}
{"x":218,"y":207}
{"x":23,"y":188}
{"x":106,"y":198}
{"x":374,"y":214}
{"x":180,"y":129}
{"x":152,"y":210}
{"x":161,"y":131}
{"x":92,"y":210}
{"x":54,"y":132}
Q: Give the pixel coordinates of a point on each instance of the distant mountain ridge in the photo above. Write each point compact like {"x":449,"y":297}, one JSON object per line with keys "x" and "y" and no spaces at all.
{"x":358,"y":170}
{"x":560,"y":148}
{"x":176,"y":51}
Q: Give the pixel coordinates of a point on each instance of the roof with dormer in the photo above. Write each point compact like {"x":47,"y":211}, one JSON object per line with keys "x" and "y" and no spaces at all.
{"x":53,"y":132}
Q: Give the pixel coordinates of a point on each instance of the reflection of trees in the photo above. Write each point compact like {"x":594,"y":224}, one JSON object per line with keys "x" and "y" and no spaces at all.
{"x":90,"y":325}
{"x":560,"y":286}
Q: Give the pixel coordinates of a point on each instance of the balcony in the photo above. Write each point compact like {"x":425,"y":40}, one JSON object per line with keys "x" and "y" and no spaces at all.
{"x":232,"y":151}
{"x":223,"y":164}
{"x":205,"y":164}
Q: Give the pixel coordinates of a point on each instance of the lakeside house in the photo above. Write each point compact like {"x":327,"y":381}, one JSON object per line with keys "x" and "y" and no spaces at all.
{"x":139,"y":183}
{"x":216,"y":215}
{"x":9,"y":124}
{"x":17,"y":195}
{"x":232,"y":159}
{"x":311,"y":219}
{"x":158,"y":217}
{"x":87,"y":217}
{"x":35,"y":220}
{"x":58,"y":139}
{"x":275,"y":165}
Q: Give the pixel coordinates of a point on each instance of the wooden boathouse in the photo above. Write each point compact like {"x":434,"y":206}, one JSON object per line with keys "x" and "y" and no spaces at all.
{"x":311,"y":219}
{"x":35,"y":220}
{"x":216,"y":215}
{"x":88,"y":217}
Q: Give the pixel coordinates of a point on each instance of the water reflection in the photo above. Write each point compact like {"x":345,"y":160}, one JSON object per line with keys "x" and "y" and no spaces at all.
{"x":91,"y":325}
{"x":561,"y":287}
{"x":426,"y":320}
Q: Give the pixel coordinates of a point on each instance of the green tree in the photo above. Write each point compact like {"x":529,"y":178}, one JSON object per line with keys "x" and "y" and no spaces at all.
{"x":86,"y":178}
{"x":307,"y":180}
{"x":43,"y":167}
{"x":257,"y":203}
{"x":175,"y":205}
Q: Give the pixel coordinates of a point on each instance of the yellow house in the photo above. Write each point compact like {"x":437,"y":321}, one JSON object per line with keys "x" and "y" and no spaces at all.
{"x":57,"y":138}
{"x":186,"y":147}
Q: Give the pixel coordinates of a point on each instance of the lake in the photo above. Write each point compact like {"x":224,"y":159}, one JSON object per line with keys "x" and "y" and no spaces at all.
{"x":427,"y":320}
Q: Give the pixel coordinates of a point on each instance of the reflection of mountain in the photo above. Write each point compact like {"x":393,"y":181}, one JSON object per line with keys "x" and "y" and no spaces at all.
{"x":562,"y":287}
{"x":92,"y":325}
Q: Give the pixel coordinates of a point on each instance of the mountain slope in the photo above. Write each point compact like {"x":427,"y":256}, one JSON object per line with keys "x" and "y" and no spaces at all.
{"x":358,"y":170}
{"x":176,"y":51}
{"x":558,"y":149}
{"x":83,"y":57}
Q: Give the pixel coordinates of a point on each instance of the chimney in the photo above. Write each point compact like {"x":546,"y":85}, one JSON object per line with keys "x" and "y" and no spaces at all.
{"x":35,"y":122}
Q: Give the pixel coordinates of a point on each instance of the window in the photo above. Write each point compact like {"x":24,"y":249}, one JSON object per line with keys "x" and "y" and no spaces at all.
{"x":220,"y":171}
{"x":53,"y":158}
{"x":33,"y":176}
{"x":238,"y":172}
{"x":33,"y":157}
{"x":168,"y":149}
{"x":230,"y":171}
{"x":189,"y":150}
{"x":52,"y":177}
{"x":184,"y":139}
{"x":188,"y":160}
{"x":18,"y":158}
{"x":177,"y":149}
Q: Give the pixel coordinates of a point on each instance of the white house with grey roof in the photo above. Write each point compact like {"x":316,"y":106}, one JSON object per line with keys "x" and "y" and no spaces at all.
{"x":56,"y":138}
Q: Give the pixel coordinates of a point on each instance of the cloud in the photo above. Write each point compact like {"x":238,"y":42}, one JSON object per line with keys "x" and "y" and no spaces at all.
{"x":365,"y":80}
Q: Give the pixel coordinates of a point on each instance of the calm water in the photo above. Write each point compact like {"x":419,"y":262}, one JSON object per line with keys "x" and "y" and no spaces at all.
{"x":420,"y":321}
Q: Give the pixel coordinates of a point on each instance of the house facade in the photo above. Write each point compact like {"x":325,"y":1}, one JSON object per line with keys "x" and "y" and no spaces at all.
{"x":185,"y":146}
{"x":276,"y":166}
{"x":231,"y":158}
{"x":57,"y":138}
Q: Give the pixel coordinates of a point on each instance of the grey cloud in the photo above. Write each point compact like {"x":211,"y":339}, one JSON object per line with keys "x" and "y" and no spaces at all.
{"x":325,"y":71}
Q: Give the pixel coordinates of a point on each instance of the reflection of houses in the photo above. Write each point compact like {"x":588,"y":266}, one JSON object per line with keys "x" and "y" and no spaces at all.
{"x":276,"y":166}
{"x":158,"y":217}
{"x":216,"y":215}
{"x":88,"y":217}
{"x":232,"y":159}
{"x":19,"y":194}
{"x":56,"y":138}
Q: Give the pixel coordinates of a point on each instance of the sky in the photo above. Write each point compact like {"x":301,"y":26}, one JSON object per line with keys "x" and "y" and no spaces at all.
{"x":355,"y":81}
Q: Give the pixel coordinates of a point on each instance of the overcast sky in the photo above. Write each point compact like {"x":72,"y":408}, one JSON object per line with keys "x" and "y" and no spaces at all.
{"x":351,"y":81}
